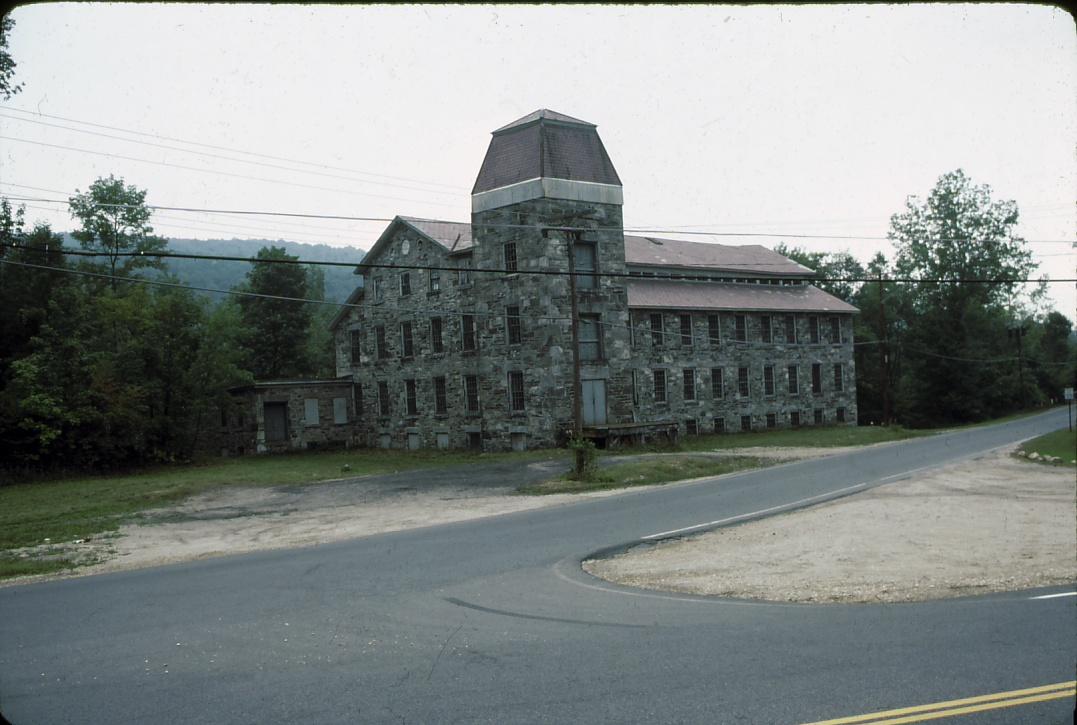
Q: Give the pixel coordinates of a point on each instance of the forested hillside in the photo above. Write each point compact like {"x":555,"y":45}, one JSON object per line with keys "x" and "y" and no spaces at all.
{"x":215,"y":274}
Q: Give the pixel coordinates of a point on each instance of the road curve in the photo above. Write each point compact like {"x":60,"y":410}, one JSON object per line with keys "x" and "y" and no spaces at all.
{"x":492,"y":621}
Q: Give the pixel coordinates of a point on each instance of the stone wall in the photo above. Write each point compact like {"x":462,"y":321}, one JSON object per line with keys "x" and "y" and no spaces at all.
{"x":244,"y":430}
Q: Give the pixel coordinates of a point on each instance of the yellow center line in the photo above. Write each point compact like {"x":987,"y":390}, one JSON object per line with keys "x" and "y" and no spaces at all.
{"x":982,"y":702}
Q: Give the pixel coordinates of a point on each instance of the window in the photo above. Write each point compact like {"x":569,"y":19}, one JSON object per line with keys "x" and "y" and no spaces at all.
{"x":765,"y":329}
{"x":791,"y":329}
{"x":441,"y":400}
{"x":379,"y":342}
{"x":509,"y":256}
{"x":656,"y":329}
{"x":742,"y":382}
{"x":689,"y":384}
{"x":405,"y":284}
{"x":383,"y":397}
{"x":436,"y":341}
{"x":467,"y":324}
{"x":406,"y":346}
{"x":635,"y":387}
{"x":463,"y":274}
{"x":768,"y":380}
{"x":409,"y":391}
{"x":512,"y":319}
{"x":340,"y":410}
{"x":379,"y":289}
{"x":746,"y":423}
{"x":839,"y":382}
{"x":584,"y":259}
{"x":690,"y":427}
{"x":471,"y":393}
{"x":794,"y":418}
{"x":839,"y":415}
{"x":435,"y":281}
{"x":794,"y":380}
{"x":719,"y":425}
{"x":590,"y":338}
{"x":310,"y":406}
{"x":818,"y":416}
{"x":714,"y":330}
{"x":686,"y":330}
{"x":816,"y":378}
{"x":659,"y":386}
{"x":717,"y":384}
{"x":813,"y":329}
{"x":741,"y":328}
{"x":835,"y":330}
{"x":516,"y":391}
{"x":356,"y":339}
{"x":772,"y":420}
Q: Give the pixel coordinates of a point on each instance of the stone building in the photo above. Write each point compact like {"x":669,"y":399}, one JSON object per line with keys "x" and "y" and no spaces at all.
{"x":286,"y":415}
{"x":461,"y":333}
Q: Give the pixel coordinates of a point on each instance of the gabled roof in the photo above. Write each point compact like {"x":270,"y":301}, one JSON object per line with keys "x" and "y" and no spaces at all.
{"x":545,"y":144}
{"x":353,"y":299}
{"x":454,"y":236}
{"x":663,"y":294}
{"x":754,"y":258}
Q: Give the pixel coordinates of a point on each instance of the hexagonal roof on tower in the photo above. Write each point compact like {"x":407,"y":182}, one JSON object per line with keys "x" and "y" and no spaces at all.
{"x":545,"y":144}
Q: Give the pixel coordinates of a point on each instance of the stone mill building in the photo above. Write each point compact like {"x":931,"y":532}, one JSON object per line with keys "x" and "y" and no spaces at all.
{"x":461,"y":335}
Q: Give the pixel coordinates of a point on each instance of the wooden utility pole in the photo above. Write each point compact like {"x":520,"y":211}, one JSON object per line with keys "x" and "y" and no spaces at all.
{"x":577,"y":385}
{"x":1019,"y":332}
{"x":884,"y":335}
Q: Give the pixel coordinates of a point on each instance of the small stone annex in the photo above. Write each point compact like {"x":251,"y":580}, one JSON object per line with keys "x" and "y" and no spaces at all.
{"x":460,"y":335}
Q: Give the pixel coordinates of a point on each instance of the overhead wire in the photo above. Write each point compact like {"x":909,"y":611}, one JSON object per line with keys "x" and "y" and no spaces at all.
{"x":231,"y":149}
{"x":550,"y":227}
{"x":233,"y":159}
{"x":222,"y":173}
{"x":543,"y":272}
{"x":642,"y":330}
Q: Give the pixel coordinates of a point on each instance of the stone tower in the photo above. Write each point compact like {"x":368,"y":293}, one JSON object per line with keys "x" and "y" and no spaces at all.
{"x":544,"y":172}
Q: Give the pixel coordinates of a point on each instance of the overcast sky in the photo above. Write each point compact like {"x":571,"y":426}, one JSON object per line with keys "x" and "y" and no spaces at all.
{"x":817,"y":120}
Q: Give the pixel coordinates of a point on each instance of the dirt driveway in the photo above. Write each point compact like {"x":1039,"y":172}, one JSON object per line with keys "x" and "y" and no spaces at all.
{"x":992,"y":523}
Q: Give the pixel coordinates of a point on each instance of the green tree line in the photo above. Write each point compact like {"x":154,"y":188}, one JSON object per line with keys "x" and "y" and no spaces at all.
{"x":944,"y":349}
{"x":100,"y":373}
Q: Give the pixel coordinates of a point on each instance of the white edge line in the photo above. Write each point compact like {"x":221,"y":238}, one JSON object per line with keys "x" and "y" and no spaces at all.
{"x":1055,"y":596}
{"x":829,"y":494}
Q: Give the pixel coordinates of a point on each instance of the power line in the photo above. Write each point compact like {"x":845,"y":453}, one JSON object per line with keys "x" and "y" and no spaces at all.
{"x":543,"y":272}
{"x":221,"y":173}
{"x":533,"y":226}
{"x":230,"y":158}
{"x":233,"y":150}
{"x":642,"y":329}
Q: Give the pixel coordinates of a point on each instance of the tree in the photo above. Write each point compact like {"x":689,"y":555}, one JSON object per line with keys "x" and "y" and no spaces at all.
{"x":834,"y":269}
{"x":955,"y":354}
{"x":116,"y":222}
{"x":8,"y":87}
{"x":278,"y":329}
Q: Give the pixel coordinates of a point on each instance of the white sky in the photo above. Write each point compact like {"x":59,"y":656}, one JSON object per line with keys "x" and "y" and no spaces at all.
{"x":814,"y":119}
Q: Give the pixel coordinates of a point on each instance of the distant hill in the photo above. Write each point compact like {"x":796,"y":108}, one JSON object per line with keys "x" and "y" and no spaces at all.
{"x":215,"y":274}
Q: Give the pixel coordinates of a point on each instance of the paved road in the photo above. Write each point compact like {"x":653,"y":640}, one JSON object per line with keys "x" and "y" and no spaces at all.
{"x":492,"y":621}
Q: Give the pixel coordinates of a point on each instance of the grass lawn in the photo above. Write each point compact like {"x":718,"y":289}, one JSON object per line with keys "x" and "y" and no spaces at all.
{"x":82,"y":507}
{"x":806,"y":437}
{"x":646,"y":472}
{"x":1061,"y":443}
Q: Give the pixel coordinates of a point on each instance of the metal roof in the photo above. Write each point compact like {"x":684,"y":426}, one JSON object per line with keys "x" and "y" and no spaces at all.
{"x":753,"y":258}
{"x":545,"y":145}
{"x":543,"y":113}
{"x":680,"y":295}
{"x":454,"y":236}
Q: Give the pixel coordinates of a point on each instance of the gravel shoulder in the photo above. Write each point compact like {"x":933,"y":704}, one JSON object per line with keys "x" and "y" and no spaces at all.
{"x":987,"y":524}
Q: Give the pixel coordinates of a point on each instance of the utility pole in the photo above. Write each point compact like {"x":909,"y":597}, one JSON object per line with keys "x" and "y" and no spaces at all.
{"x":1018,"y":333}
{"x":884,"y":335}
{"x":571,"y":238}
{"x":577,"y":385}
